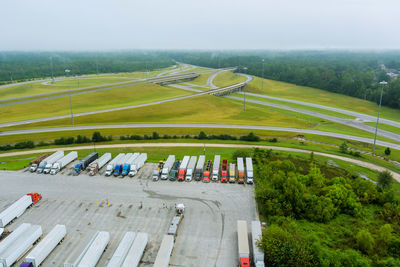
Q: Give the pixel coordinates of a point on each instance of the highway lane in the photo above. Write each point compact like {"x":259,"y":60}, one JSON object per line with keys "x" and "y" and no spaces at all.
{"x":361,"y":163}
{"x":194,"y":125}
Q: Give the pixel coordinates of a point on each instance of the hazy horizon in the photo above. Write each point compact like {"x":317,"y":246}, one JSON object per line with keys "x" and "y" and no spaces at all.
{"x":45,"y":25}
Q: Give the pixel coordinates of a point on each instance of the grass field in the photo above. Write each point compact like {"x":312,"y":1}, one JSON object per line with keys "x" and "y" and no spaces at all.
{"x":317,"y":96}
{"x":119,"y":97}
{"x":385,"y":127}
{"x":202,"y":79}
{"x":228,"y":78}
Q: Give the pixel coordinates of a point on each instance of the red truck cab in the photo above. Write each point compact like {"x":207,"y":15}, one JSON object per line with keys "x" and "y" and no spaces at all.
{"x":244,"y":262}
{"x":224,"y":171}
{"x":35,"y":197}
{"x":181,"y":175}
{"x":240,"y":177}
{"x":206,"y":177}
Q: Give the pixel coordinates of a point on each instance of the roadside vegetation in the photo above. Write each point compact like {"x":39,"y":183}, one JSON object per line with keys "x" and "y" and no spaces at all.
{"x":228,"y":78}
{"x":319,"y":215}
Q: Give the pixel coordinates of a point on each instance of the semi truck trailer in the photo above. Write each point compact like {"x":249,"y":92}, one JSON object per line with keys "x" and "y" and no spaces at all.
{"x":51,"y":159}
{"x":50,"y":162}
{"x":215,"y":169}
{"x":18,"y":242}
{"x":198,"y":173}
{"x":190,"y":169}
{"x":182,"y":168}
{"x":18,"y":208}
{"x":35,"y":163}
{"x":232,"y":173}
{"x":249,"y":171}
{"x":240,"y":171}
{"x":167,"y":167}
{"x":64,"y":161}
{"x":113,"y":163}
{"x":258,"y":255}
{"x":207,"y":172}
{"x":96,"y":165}
{"x":82,"y":165}
{"x":165,"y":251}
{"x":128,"y":163}
{"x":224,"y":171}
{"x":120,"y":164}
{"x":136,"y":251}
{"x":122,"y":250}
{"x":243,"y":244}
{"x":47,"y":245}
{"x":137,"y":164}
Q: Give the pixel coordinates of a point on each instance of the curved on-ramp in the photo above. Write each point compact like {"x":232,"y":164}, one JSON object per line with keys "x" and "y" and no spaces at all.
{"x":361,"y":163}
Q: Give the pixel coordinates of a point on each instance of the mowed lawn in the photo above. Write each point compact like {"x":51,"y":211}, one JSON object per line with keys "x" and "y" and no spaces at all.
{"x":118,"y":97}
{"x":318,"y":96}
{"x":201,"y":109}
{"x":228,"y":78}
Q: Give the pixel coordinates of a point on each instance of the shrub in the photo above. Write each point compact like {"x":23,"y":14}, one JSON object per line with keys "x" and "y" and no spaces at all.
{"x":250,"y":137}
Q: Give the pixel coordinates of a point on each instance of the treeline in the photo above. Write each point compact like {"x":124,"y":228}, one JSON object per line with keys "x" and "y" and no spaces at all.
{"x":325,"y":216}
{"x":20,"y":66}
{"x":353,"y":74}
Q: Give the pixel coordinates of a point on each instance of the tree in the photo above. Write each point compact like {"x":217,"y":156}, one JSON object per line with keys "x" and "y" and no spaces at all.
{"x":343,"y":147}
{"x":202,"y":135}
{"x":365,"y":241}
{"x":97,"y":137}
{"x":387,"y":151}
{"x":385,"y":180}
{"x":155,"y":135}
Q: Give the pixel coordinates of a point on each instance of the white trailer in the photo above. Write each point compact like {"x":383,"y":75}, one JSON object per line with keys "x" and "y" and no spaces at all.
{"x":122,"y":250}
{"x":190,"y":168}
{"x":64,"y":161}
{"x":136,"y":251}
{"x":243,"y":240}
{"x":199,"y":168}
{"x":47,"y":245}
{"x":184,"y":163}
{"x":249,"y":171}
{"x":49,"y":162}
{"x":165,"y":251}
{"x":20,"y":244}
{"x":258,"y":255}
{"x":137,"y":164}
{"x":128,"y":164}
{"x":167,"y":167}
{"x":215,"y":172}
{"x":95,"y":250}
{"x":15,"y":210}
{"x":111,"y":165}
{"x":96,"y":165}
{"x":50,"y":159}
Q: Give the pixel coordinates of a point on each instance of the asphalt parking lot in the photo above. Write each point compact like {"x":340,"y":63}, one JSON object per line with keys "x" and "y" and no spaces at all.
{"x":85,"y":204}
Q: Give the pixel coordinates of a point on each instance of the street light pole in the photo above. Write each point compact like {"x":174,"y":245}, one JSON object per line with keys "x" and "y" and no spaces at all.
{"x":70,"y":102}
{"x":383,"y":83}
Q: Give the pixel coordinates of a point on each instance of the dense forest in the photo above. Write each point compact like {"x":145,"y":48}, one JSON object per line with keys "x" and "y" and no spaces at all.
{"x":321,"y":215}
{"x":351,"y":73}
{"x":20,"y":66}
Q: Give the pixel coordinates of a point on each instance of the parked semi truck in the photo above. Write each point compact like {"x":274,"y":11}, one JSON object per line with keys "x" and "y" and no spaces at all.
{"x":165,"y":251}
{"x":18,"y":208}
{"x":118,"y":167}
{"x":198,"y":173}
{"x":207,"y":172}
{"x":137,"y":164}
{"x":96,"y":165}
{"x":50,"y":163}
{"x":182,"y":168}
{"x":224,"y":171}
{"x":82,"y":165}
{"x":113,"y":163}
{"x":35,"y":163}
{"x":128,"y":163}
{"x":90,"y":255}
{"x":258,"y":255}
{"x":64,"y":161}
{"x":243,"y":244}
{"x":232,"y":173}
{"x":46,"y":246}
{"x":173,"y":174}
{"x":18,"y":242}
{"x":249,"y":171}
{"x":167,"y":167}
{"x":176,"y":220}
{"x":240,"y":171}
{"x":190,"y":169}
{"x":215,"y":172}
{"x":49,"y":160}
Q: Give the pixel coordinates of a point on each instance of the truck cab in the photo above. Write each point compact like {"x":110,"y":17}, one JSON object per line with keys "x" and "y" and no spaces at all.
{"x":224,"y":176}
{"x":35,"y":197}
{"x":164,"y":174}
{"x":156,"y":175}
{"x":117,"y":170}
{"x":181,"y":175}
{"x":189,"y":174}
{"x":215,"y":176}
{"x":33,"y":167}
{"x":173,"y":174}
{"x":206,"y":174}
{"x":232,"y":173}
{"x":240,"y":177}
{"x":54,"y":169}
{"x":244,"y":262}
{"x":133,"y":170}
{"x":198,"y":175}
{"x":78,"y":168}
{"x":125,"y":169}
{"x":109,"y":170}
{"x":41,"y":167}
{"x":250,"y":178}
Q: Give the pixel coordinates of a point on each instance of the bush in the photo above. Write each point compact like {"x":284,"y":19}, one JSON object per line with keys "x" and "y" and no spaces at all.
{"x":241,"y":154}
{"x":26,"y":144}
{"x":365,"y":241}
{"x":250,"y":137}
{"x":387,"y":151}
{"x":97,"y":137}
{"x":385,"y":179}
{"x":64,"y":141}
{"x":202,"y":135}
{"x":343,"y":148}
{"x":273,"y":140}
{"x":155,"y":135}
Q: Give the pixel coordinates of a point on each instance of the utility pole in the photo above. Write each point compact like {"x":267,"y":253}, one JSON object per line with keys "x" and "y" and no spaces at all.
{"x":383,"y":83}
{"x":70,"y":102}
{"x":52,"y":71}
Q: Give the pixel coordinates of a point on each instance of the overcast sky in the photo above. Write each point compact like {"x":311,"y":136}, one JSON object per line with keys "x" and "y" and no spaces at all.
{"x":201,"y":24}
